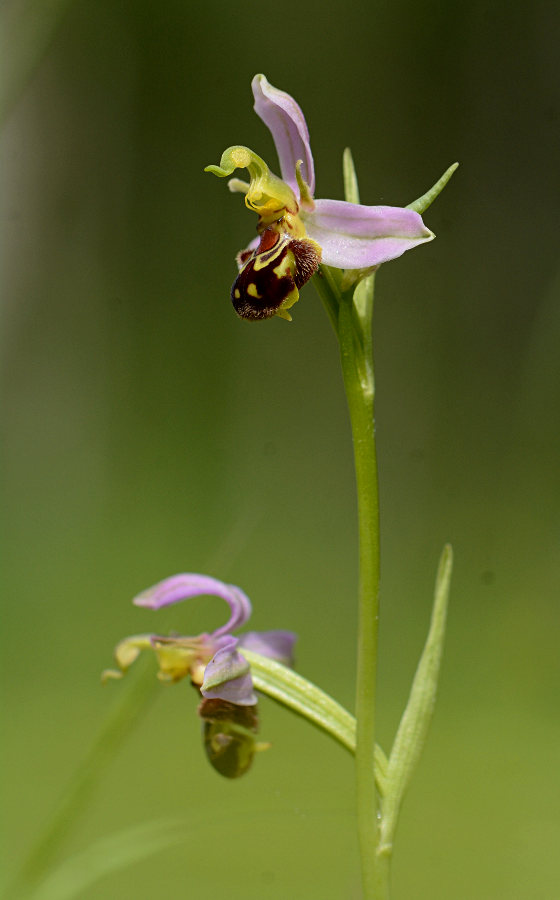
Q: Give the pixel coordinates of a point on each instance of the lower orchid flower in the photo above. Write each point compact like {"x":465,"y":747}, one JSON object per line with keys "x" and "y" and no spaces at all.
{"x":214,"y":664}
{"x":297,"y":232}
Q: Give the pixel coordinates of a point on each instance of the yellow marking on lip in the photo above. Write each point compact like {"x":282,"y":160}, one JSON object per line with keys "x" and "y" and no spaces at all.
{"x":283,"y":268}
{"x":252,"y":291}
{"x":270,"y":257}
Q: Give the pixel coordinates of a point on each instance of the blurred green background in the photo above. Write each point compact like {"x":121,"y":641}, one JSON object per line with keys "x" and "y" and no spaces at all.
{"x":149,"y":431}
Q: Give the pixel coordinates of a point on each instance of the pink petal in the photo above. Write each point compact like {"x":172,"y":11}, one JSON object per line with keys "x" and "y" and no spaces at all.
{"x":277,"y":645}
{"x":188,"y":585}
{"x":356,"y":237}
{"x":285,"y":121}
{"x":228,"y":677}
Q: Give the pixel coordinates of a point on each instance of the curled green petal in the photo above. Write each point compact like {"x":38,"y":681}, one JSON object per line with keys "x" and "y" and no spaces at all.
{"x":421,"y":205}
{"x":413,"y":727}
{"x":239,"y":157}
{"x":267,"y":194}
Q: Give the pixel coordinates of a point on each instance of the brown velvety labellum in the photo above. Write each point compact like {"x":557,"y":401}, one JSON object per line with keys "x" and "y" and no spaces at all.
{"x":273,"y":274}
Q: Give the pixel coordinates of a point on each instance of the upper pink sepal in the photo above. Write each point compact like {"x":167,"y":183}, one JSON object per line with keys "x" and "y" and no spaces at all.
{"x":188,"y":585}
{"x":286,"y":122}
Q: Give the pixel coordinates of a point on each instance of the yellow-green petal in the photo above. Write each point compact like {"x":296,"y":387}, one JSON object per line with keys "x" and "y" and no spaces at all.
{"x":267,"y":194}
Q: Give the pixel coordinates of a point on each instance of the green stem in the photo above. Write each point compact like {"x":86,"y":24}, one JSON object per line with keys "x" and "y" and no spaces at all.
{"x":350,"y":312}
{"x":354,"y":310}
{"x":357,"y":368}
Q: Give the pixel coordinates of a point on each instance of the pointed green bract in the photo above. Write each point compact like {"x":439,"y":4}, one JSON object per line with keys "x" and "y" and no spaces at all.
{"x":421,"y":205}
{"x":351,"y":191}
{"x":413,"y":728}
{"x":354,"y":278}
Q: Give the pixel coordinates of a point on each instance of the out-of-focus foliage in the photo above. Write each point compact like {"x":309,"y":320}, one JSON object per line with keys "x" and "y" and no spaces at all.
{"x":148,"y":431}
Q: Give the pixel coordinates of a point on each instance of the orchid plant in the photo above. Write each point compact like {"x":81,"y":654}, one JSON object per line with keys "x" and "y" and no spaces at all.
{"x":339,"y":244}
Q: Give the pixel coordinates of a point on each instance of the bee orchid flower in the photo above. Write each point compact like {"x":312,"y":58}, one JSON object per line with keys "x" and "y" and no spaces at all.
{"x":296,"y":232}
{"x":214,"y":663}
{"x":207,"y":659}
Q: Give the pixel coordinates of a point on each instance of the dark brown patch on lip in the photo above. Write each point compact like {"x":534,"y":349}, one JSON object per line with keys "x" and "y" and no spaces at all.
{"x":260,"y":290}
{"x":267,"y":290}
